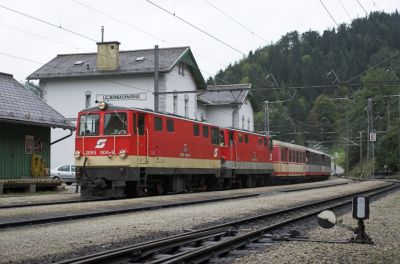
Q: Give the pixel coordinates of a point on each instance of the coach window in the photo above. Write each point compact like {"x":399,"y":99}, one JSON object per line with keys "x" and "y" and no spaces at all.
{"x":205,"y":131}
{"x":283,"y":156}
{"x":170,"y":125}
{"x":158,"y":123}
{"x":115,"y":124}
{"x":246,"y":138}
{"x":89,"y":125}
{"x":240,"y":136}
{"x":214,"y":135}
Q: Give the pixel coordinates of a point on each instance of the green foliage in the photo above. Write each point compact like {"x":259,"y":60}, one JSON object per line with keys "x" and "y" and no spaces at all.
{"x":366,"y":50}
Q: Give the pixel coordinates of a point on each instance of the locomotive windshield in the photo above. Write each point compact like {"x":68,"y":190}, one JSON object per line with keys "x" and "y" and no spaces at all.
{"x":89,"y":125}
{"x":115,"y":124}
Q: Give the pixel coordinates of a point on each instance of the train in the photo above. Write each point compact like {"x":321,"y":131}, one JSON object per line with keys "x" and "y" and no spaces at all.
{"x":129,"y":152}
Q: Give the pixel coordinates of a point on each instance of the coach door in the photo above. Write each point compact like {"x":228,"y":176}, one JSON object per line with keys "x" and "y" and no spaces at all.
{"x":142,"y":137}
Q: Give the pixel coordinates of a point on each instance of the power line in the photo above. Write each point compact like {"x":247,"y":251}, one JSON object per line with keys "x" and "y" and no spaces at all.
{"x":104,"y":80}
{"x":195,"y":27}
{"x":234,"y":20}
{"x":389,"y":82}
{"x":86,"y":37}
{"x":147,"y":33}
{"x":345,"y":10}
{"x":329,"y":13}
{"x":48,"y":23}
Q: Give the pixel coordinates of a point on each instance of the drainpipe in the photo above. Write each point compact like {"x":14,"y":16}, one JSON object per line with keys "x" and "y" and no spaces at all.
{"x":67,"y":136}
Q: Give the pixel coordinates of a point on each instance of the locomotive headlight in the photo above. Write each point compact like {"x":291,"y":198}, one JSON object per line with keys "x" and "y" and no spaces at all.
{"x":123,"y":154}
{"x":102,"y":105}
{"x":77,"y":154}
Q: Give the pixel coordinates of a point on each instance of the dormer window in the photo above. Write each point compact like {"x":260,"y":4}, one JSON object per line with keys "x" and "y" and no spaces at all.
{"x":181,"y":68}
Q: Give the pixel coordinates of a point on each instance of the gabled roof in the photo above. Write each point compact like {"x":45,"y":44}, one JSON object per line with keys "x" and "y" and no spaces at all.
{"x":225,"y":94}
{"x":83,"y":65}
{"x":18,"y":105}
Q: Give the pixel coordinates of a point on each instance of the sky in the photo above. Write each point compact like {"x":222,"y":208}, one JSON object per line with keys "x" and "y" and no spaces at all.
{"x":26,"y":43}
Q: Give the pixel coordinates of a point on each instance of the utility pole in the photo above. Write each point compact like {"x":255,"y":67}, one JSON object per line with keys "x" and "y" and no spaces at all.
{"x":370,"y":130}
{"x":361,"y":152}
{"x":156,"y":56}
{"x":267,"y":111}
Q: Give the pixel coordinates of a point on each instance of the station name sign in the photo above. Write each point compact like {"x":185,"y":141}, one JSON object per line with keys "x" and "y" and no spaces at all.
{"x":122,"y":97}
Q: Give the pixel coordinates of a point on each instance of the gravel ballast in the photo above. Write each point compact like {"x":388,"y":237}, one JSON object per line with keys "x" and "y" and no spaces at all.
{"x":54,"y":242}
{"x":383,"y":227}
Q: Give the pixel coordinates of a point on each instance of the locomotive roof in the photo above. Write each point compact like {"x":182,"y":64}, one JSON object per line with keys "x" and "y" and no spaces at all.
{"x":122,"y":108}
{"x":65,"y":66}
{"x":19,"y":105}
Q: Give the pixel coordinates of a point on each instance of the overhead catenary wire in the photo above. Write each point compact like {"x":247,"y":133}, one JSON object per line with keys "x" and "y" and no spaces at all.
{"x":103,"y":80}
{"x":86,"y":37}
{"x":196,"y":27}
{"x":234,"y":20}
{"x":329,"y":13}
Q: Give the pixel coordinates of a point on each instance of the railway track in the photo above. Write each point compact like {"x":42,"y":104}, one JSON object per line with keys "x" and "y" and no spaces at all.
{"x":29,"y":204}
{"x":47,"y":220}
{"x":216,"y":241}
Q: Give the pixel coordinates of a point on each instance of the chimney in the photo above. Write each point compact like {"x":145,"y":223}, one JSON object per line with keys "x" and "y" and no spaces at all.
{"x":107,"y":56}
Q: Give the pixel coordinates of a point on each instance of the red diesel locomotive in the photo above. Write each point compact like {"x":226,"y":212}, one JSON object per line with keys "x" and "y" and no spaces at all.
{"x":126,"y":152}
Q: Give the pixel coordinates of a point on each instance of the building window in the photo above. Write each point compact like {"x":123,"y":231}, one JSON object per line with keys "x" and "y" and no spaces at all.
{"x":181,"y":68}
{"x":248,"y":123}
{"x":202,"y":117}
{"x":242,"y":122}
{"x":175,"y":102}
{"x":88,"y":99}
{"x":186,"y":106}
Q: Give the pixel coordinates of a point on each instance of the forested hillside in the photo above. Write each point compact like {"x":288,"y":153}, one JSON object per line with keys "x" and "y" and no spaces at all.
{"x":365,"y":51}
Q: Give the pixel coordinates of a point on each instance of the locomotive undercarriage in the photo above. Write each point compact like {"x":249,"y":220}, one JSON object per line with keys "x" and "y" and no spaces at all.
{"x":134,"y":182}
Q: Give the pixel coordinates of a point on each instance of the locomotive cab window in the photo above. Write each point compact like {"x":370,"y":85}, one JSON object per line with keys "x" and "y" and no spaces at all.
{"x":221,"y":138}
{"x":270,"y":144}
{"x":89,"y":125}
{"x":240,"y":136}
{"x":246,"y":138}
{"x":158,"y":123}
{"x":115,"y":124}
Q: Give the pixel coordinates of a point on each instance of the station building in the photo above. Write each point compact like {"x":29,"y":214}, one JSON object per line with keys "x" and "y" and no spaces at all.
{"x":72,"y":82}
{"x":25,"y":124}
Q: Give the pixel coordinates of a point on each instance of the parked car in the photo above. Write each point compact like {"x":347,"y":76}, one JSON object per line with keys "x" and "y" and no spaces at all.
{"x":66,"y":173}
